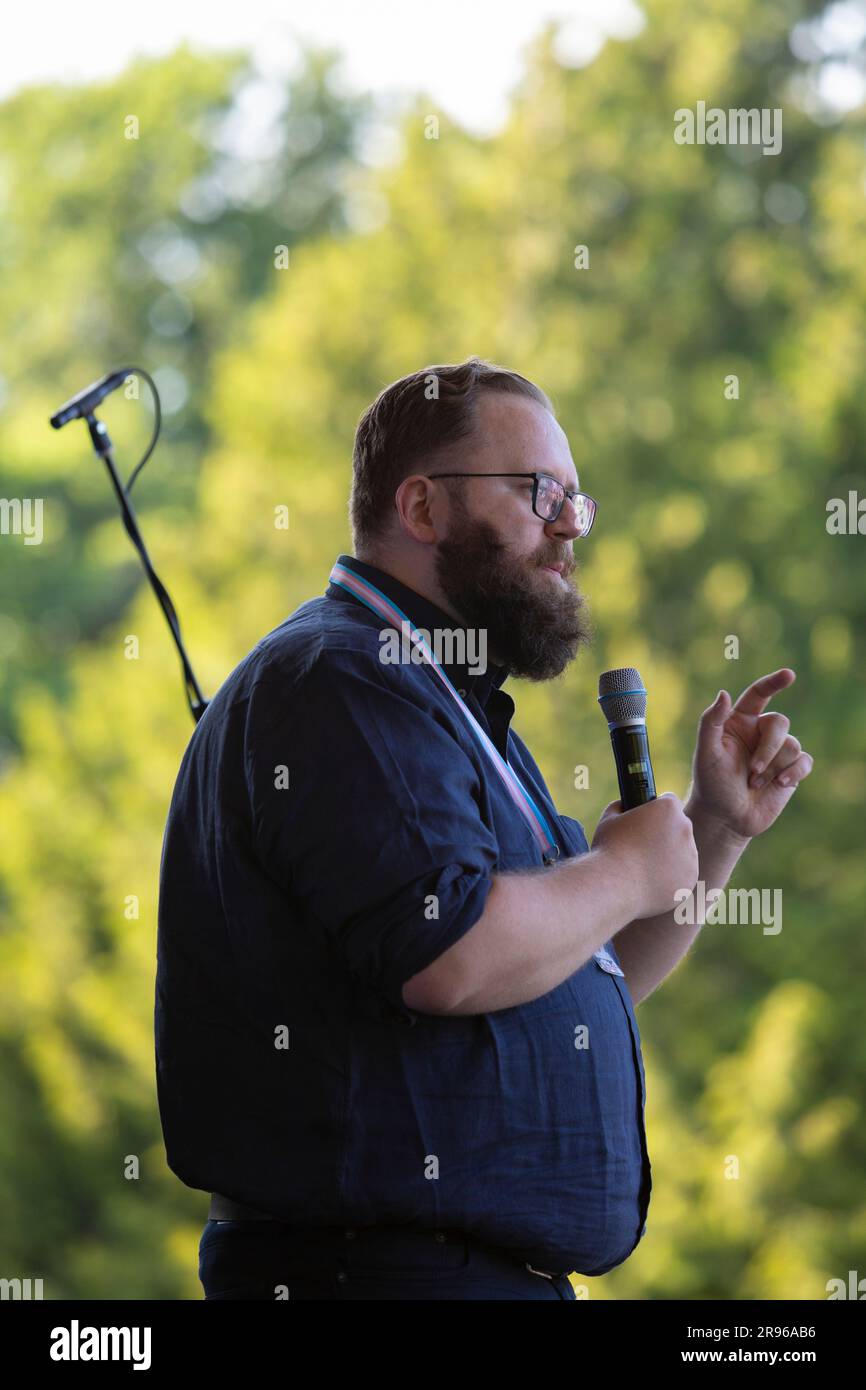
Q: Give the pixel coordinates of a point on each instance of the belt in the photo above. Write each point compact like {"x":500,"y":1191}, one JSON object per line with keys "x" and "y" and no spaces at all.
{"x":226,"y":1209}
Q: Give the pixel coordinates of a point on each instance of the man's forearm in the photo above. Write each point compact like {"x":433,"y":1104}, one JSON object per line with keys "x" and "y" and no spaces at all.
{"x":538,"y":928}
{"x":650,"y":947}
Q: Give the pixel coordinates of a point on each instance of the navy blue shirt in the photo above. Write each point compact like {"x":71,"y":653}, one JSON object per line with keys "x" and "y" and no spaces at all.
{"x":334,"y":828}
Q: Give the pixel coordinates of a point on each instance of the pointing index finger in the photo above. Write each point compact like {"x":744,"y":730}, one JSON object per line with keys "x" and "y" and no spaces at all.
{"x":757,"y":696}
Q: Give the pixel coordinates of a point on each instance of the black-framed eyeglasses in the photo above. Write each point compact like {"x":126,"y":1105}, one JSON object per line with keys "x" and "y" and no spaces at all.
{"x":548,"y":497}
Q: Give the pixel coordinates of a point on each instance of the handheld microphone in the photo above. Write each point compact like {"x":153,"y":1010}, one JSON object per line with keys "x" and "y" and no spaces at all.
{"x":87,"y":400}
{"x":622,"y":696}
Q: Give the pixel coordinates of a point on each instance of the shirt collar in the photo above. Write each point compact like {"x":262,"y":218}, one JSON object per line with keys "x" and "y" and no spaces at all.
{"x":424,"y":614}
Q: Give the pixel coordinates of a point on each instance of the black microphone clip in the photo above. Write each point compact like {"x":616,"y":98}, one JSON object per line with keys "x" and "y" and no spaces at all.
{"x":86,"y":401}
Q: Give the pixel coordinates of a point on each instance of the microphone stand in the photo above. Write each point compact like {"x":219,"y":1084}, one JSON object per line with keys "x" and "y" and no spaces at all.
{"x":103,"y":447}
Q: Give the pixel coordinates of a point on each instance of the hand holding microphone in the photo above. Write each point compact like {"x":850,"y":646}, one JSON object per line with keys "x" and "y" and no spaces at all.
{"x":654,"y":847}
{"x":651,"y":837}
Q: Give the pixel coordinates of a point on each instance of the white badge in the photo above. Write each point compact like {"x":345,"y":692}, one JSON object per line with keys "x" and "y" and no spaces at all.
{"x":607,"y":962}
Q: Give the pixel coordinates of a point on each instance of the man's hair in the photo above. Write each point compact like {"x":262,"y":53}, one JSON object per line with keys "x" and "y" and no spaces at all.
{"x":417,"y":420}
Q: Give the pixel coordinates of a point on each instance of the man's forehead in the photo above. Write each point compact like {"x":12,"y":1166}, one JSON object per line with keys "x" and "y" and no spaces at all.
{"x":527,"y":437}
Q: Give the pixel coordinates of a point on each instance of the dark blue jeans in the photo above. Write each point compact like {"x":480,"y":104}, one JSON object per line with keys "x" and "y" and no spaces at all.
{"x":268,"y":1260}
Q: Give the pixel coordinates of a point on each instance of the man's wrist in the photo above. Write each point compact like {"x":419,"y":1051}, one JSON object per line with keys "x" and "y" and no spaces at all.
{"x":624,"y":889}
{"x":711,"y":829}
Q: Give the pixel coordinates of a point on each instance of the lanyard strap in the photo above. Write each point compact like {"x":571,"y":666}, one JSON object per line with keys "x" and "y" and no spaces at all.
{"x":385,"y":607}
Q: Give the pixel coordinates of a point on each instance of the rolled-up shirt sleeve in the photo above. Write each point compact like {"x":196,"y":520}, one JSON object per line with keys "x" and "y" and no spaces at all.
{"x":366,"y":811}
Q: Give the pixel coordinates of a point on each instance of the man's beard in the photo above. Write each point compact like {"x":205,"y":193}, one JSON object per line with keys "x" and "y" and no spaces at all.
{"x":535,"y":624}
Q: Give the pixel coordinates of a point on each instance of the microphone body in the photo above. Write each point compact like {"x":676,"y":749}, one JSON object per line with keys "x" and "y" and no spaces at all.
{"x":87,"y":400}
{"x":622,"y":696}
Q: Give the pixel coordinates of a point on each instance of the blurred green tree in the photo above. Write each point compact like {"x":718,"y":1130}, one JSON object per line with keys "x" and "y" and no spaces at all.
{"x":142,"y":218}
{"x":705,"y":263}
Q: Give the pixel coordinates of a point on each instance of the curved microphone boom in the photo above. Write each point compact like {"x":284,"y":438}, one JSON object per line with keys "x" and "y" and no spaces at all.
{"x":622,"y":696}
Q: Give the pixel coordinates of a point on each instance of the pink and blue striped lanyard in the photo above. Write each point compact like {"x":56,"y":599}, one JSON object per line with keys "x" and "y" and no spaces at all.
{"x":386,"y":608}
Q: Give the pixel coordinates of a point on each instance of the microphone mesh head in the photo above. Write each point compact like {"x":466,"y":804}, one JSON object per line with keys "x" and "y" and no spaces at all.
{"x":622,"y":695}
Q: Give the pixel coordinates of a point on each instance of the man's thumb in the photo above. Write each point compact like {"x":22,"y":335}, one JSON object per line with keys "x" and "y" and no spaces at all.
{"x":718,"y":710}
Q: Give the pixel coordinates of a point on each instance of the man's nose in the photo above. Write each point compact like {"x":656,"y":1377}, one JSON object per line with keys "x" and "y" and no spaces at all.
{"x":565,"y":526}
